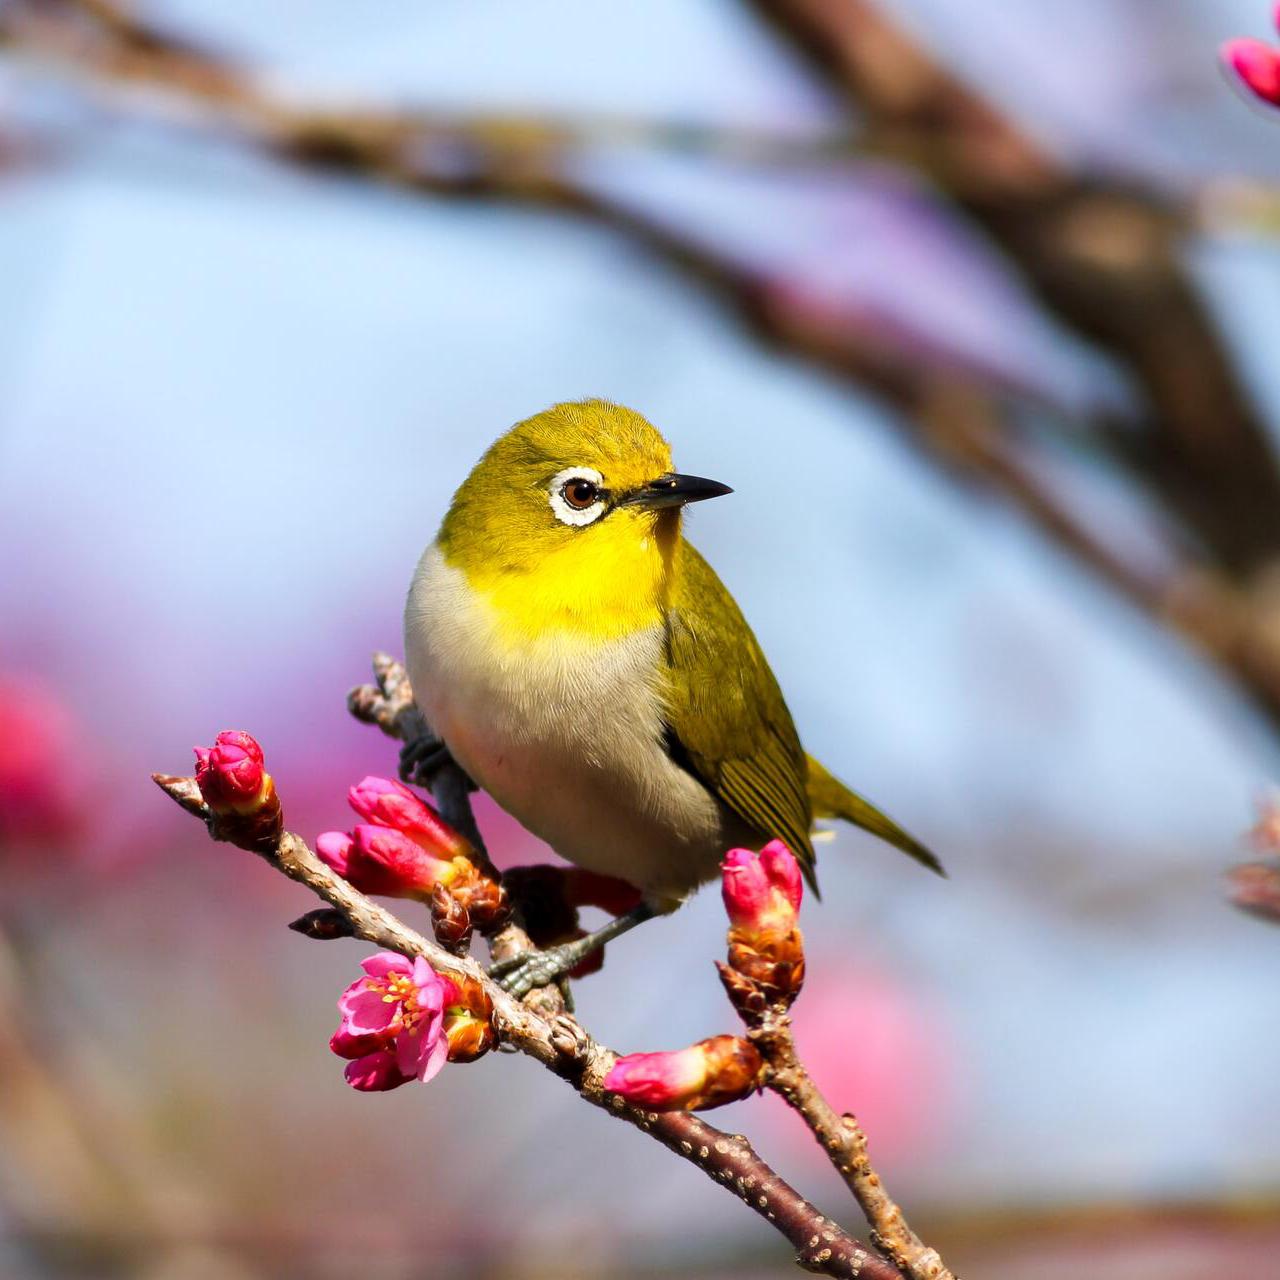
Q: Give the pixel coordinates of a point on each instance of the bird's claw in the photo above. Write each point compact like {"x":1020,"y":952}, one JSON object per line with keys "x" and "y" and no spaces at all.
{"x":421,"y":760}
{"x":531,"y":969}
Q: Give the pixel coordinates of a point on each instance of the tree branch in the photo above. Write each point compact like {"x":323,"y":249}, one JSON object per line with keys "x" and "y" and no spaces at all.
{"x":845,"y":1144}
{"x":1104,"y":256}
{"x":952,"y":414}
{"x":554,"y":1039}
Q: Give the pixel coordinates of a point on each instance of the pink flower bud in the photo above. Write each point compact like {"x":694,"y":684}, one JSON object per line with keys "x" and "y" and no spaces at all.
{"x":762,"y":896}
{"x":1258,"y":66}
{"x":762,"y":891}
{"x":334,"y":848}
{"x":230,"y":774}
{"x":707,"y":1074}
{"x":383,"y":861}
{"x":468,"y":1021}
{"x":238,"y":791}
{"x":389,"y":804}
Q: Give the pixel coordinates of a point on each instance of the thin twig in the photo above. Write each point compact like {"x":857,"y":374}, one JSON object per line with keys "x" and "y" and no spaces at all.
{"x":842,"y":1139}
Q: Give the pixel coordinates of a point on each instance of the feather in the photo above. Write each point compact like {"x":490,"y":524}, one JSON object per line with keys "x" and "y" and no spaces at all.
{"x":728,"y":723}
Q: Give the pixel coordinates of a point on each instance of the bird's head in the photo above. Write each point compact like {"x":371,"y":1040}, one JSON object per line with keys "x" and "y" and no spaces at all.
{"x":579,"y":501}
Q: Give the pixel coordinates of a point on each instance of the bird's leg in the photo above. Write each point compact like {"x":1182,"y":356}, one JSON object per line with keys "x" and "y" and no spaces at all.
{"x":422,"y":758}
{"x":522,"y":973}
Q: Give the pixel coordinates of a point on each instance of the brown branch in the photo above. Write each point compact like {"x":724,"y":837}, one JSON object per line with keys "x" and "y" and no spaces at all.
{"x":555,"y":1039}
{"x":1105,"y":257}
{"x":1255,"y":889}
{"x":951,"y":413}
{"x":845,"y":1144}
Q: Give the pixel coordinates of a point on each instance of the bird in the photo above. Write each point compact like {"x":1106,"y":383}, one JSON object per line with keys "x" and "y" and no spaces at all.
{"x":586,"y":667}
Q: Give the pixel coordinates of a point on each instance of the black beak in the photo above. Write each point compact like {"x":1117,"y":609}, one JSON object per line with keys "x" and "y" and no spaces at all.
{"x":674,"y":490}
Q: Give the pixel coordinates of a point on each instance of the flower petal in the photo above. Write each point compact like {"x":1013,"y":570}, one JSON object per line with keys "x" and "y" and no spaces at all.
{"x":385,"y":963}
{"x":375,"y":1073}
{"x":365,"y":1008}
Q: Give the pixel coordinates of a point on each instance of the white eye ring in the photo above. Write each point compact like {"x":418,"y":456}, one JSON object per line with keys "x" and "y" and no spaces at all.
{"x":574,"y":515}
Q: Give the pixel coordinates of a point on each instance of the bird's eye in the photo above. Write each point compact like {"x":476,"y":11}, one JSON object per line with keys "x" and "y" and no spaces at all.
{"x":579,"y":493}
{"x":578,"y":496}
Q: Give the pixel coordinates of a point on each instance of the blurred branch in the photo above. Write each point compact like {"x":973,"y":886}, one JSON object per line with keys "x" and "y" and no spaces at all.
{"x":1255,"y":886}
{"x":53,"y":1174}
{"x":1103,"y":257}
{"x":550,"y":1036}
{"x":76,"y":1159}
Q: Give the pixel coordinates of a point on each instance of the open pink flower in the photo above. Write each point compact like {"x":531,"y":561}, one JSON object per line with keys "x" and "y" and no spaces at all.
{"x":762,"y":891}
{"x":707,"y":1074}
{"x":392,"y":1029}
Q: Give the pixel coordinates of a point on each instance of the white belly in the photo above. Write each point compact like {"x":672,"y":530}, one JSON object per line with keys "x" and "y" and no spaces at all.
{"x":565,"y":734}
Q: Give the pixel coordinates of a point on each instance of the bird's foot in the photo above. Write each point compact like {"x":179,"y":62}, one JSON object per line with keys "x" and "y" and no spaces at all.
{"x":422,"y":759}
{"x":521,"y":974}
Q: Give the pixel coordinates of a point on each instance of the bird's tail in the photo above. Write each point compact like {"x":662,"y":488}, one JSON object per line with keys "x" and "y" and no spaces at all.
{"x":830,"y":798}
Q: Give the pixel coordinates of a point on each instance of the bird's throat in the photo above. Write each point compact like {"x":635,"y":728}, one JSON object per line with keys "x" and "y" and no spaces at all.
{"x":606,"y":583}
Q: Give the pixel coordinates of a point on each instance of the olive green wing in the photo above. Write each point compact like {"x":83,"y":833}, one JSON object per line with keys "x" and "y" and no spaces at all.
{"x":726,"y":718}
{"x":830,"y":798}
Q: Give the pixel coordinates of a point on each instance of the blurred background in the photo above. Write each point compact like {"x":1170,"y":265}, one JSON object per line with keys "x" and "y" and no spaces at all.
{"x":975,"y":306}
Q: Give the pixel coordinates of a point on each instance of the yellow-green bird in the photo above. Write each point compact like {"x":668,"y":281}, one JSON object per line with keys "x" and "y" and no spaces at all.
{"x":588,"y":669}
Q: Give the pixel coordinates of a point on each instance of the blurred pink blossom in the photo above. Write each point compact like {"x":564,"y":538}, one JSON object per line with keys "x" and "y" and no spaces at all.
{"x":39,"y":799}
{"x":1257,"y":64}
{"x":874,"y":1045}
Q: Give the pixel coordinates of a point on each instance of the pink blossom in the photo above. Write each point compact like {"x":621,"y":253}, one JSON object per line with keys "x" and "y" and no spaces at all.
{"x":384,"y":861}
{"x":1258,"y":66}
{"x":392,"y":1028}
{"x":762,"y":891}
{"x":230,"y":774}
{"x":389,"y":804}
{"x":402,"y":850}
{"x":658,"y":1079}
{"x":707,"y":1074}
{"x":334,"y":848}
